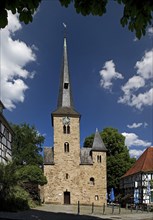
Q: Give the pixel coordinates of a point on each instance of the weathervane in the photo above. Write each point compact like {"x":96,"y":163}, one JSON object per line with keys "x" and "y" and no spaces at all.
{"x":65,"y":26}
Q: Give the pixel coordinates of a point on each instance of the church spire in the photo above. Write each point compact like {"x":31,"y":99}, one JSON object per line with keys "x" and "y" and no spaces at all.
{"x":65,"y":95}
{"x":98,"y":144}
{"x":65,"y":101}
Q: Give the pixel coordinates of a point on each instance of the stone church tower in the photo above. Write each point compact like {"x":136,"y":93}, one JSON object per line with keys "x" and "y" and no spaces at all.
{"x":73,"y":174}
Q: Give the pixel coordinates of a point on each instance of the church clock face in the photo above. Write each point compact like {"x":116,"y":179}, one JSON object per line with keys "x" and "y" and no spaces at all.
{"x":66,"y":120}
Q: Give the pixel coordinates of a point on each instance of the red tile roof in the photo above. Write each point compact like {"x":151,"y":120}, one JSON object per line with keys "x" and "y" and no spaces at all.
{"x":143,"y":164}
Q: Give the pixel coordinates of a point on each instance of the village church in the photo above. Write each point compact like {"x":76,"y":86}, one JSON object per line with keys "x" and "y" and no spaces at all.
{"x":73,"y":173}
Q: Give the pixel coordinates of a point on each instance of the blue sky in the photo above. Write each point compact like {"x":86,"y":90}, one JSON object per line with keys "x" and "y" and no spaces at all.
{"x":111,"y":72}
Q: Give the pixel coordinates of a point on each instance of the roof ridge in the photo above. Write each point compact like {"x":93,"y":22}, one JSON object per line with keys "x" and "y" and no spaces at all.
{"x":145,"y":158}
{"x":143,"y":164}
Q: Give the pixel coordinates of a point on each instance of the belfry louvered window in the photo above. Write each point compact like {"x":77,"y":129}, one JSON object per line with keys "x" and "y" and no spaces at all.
{"x":66,"y":85}
{"x":99,"y":158}
{"x":66,"y":129}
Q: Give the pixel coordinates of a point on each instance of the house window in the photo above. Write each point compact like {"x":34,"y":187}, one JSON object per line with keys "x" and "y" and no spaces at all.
{"x":66,"y":147}
{"x":99,"y":158}
{"x":92,"y":181}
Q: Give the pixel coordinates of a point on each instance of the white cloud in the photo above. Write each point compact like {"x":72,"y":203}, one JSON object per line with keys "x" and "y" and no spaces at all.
{"x":15,"y":54}
{"x":145,"y":65}
{"x":145,"y":124}
{"x":133,"y":83}
{"x":135,"y":153}
{"x":108,"y":74}
{"x":131,"y":139}
{"x":133,"y":94}
{"x":150,"y":31}
{"x":135,"y":39}
{"x":143,"y":99}
{"x":135,"y":125}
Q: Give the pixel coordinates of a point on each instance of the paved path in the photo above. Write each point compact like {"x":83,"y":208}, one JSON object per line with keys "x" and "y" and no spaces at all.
{"x":69,"y":212}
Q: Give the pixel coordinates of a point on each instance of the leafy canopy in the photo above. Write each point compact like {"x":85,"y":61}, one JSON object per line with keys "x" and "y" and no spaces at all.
{"x":27,"y":145}
{"x":137,"y":15}
{"x":20,"y":178}
{"x":7,"y":180}
{"x":25,"y":9}
{"x":118,"y":158}
{"x":31,"y":174}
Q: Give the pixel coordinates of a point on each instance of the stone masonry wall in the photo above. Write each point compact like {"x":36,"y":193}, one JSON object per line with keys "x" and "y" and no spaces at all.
{"x":67,"y":175}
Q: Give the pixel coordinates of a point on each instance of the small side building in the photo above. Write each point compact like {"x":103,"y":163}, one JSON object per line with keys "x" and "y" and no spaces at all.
{"x":6,"y":134}
{"x":137,"y":183}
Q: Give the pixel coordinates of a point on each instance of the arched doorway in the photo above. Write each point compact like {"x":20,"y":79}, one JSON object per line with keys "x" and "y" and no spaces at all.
{"x":66,"y":197}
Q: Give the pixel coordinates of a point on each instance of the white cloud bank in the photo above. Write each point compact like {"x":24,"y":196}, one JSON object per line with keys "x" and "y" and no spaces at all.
{"x":131,"y":139}
{"x":133,"y":94}
{"x":108,"y":74}
{"x":15,"y":55}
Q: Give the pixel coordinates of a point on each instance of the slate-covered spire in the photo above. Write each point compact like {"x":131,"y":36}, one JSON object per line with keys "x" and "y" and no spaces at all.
{"x":98,"y":144}
{"x":65,"y":95}
{"x":65,"y":101}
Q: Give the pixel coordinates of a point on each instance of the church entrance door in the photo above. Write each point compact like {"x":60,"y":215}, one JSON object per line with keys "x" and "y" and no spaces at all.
{"x":66,"y":197}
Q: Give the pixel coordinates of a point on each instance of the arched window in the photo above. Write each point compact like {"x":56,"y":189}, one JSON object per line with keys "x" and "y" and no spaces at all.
{"x":66,"y":129}
{"x":66,"y":147}
{"x":92,"y":181}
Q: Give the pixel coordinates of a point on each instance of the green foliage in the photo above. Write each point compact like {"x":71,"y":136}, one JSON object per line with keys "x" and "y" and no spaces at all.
{"x":19,"y":180}
{"x":118,"y":159}
{"x":86,"y":7}
{"x":10,"y":199}
{"x":27,"y":145}
{"x":20,"y":194}
{"x":88,"y":141}
{"x":25,"y":9}
{"x":137,"y":15}
{"x":32,"y":174}
{"x":114,"y":141}
{"x":7,"y":180}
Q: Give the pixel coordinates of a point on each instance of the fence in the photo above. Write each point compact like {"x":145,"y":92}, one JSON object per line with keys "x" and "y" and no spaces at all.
{"x":105,"y":209}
